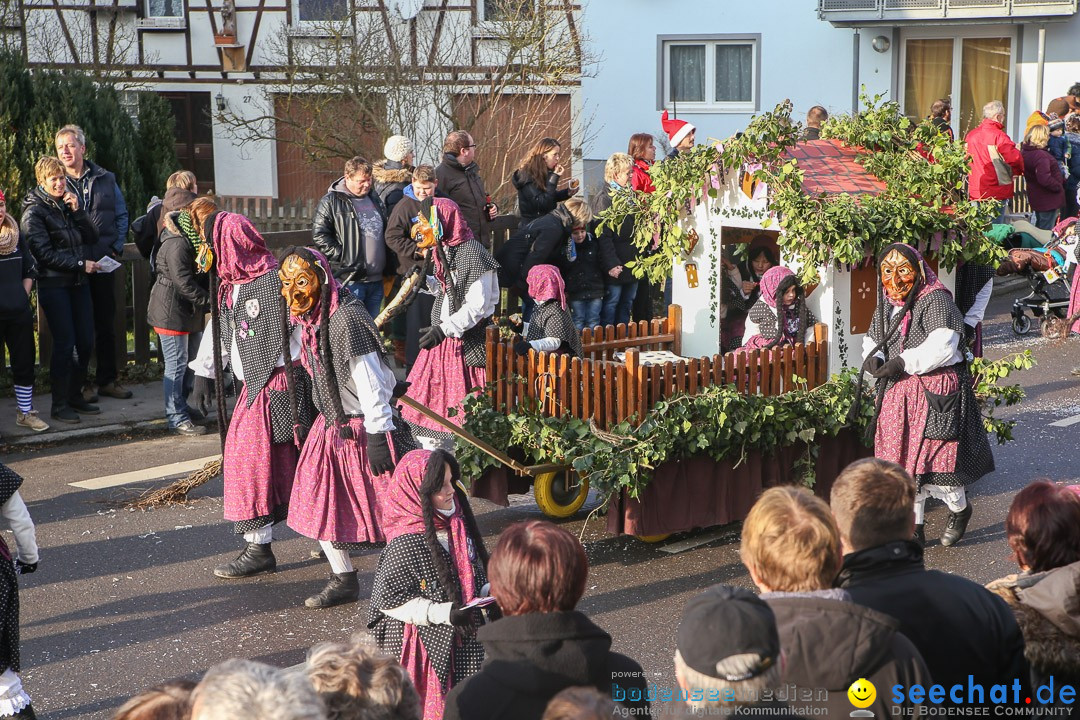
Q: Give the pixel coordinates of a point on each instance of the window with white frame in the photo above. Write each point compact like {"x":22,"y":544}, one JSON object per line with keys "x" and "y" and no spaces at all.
{"x":717,"y":73}
{"x":309,"y":12}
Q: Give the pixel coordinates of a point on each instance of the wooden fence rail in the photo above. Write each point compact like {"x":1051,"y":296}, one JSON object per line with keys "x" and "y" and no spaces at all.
{"x":608,"y":391}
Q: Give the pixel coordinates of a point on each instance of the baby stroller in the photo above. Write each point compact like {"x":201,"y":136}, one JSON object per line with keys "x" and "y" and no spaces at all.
{"x":1047,"y":271}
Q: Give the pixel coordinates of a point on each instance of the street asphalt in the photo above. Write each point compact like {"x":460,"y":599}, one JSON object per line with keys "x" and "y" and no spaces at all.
{"x":124,"y":599}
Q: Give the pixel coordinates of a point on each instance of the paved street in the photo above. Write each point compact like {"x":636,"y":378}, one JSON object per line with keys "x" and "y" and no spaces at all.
{"x":124,"y":599}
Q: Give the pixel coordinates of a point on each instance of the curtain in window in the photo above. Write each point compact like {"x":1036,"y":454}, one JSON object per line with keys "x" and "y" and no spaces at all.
{"x":734,"y":73}
{"x":928,"y":71}
{"x":687,"y":73}
{"x":984,"y":76}
{"x":164,"y":8}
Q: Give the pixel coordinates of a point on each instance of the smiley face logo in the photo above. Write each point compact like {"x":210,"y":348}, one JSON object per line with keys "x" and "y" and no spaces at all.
{"x":862,"y":693}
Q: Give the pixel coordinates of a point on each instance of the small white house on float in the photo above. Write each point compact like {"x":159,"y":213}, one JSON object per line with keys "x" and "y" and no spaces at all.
{"x":844,"y":299}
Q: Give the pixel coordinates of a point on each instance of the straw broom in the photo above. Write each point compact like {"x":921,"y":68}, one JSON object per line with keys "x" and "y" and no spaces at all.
{"x":176,"y":493}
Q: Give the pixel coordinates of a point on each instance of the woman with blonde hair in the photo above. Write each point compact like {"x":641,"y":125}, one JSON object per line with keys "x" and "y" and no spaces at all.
{"x":64,"y":242}
{"x":1045,"y":181}
{"x":537,"y":180}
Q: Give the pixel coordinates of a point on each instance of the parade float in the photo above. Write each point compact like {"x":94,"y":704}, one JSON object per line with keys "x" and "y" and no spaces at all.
{"x":676,"y":435}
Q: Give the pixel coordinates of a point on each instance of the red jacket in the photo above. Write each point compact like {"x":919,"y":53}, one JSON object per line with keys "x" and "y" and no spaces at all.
{"x":982,"y":182}
{"x":640,"y":180}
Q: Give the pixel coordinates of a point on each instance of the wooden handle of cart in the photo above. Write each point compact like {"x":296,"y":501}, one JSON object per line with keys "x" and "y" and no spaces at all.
{"x":468,"y":437}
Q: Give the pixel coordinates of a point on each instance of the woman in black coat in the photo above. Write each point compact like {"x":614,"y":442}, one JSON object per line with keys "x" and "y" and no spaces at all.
{"x":537,"y":181}
{"x":64,"y":243}
{"x":179,"y":301}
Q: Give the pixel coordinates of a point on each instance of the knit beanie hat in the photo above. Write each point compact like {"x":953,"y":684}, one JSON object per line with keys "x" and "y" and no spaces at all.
{"x":1036,"y":118}
{"x":676,"y":129}
{"x":397,"y":147}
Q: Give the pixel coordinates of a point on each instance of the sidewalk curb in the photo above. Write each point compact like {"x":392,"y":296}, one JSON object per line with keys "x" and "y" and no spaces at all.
{"x":140,"y":427}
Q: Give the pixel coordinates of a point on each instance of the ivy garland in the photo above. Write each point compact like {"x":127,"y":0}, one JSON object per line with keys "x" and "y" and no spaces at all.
{"x":924,"y":204}
{"x":718,"y":422}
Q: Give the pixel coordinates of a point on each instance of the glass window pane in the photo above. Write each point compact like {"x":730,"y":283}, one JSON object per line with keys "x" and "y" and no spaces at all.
{"x":927,"y":75}
{"x":687,"y":73}
{"x":734,"y":73}
{"x":984,"y":76}
{"x":508,"y":9}
{"x":322,"y":10}
{"x":164,"y":8}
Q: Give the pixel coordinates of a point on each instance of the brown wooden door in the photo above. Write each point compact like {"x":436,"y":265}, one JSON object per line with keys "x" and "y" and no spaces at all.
{"x":194,"y":135}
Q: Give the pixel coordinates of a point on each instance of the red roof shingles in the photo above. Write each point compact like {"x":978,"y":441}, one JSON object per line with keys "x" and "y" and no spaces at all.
{"x":828,"y":167}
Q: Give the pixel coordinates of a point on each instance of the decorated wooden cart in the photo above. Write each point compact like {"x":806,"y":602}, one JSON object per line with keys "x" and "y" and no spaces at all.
{"x":725,"y":427}
{"x":626,"y":371}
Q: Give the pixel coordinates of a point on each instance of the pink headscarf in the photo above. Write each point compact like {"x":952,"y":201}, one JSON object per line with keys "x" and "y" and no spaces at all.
{"x":240,"y":253}
{"x":403,"y":514}
{"x":455,"y":231}
{"x":546,"y":283}
{"x":770,"y":281}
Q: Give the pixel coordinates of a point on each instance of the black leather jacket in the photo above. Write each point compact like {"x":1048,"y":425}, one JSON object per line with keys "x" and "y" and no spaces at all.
{"x":336,"y":232}
{"x":60,"y":240}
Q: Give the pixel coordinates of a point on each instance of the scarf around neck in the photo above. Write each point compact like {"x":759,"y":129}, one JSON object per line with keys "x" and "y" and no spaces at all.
{"x":9,"y":235}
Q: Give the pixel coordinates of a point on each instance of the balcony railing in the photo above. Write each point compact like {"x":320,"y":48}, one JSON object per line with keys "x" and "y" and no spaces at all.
{"x":844,"y":12}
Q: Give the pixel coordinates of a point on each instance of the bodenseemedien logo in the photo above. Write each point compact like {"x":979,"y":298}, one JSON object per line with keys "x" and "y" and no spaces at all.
{"x":862,"y":694}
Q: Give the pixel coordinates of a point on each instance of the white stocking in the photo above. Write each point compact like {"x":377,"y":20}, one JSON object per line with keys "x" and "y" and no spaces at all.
{"x":340,"y":562}
{"x":920,"y":506}
{"x":262,"y":536}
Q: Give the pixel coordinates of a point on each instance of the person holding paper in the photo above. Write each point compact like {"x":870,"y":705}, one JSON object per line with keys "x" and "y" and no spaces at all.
{"x":62,"y":239}
{"x":433,"y":567}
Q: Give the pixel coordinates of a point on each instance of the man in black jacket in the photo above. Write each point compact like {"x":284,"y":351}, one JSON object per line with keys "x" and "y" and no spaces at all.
{"x":100,"y":196}
{"x":348,"y":228}
{"x":960,"y":628}
{"x":459,"y":179}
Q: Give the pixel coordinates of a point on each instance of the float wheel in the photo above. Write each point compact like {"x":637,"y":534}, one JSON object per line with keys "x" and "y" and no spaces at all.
{"x":560,"y":494}
{"x":653,"y":538}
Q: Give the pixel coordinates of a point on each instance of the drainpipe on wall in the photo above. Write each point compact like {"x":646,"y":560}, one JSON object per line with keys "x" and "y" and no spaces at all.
{"x":1040,"y":66}
{"x":855,"y":73}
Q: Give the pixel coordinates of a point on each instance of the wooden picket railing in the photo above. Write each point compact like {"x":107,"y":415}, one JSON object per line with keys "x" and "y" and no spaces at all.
{"x":608,"y":391}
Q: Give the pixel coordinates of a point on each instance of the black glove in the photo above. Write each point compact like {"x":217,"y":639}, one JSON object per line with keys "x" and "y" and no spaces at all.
{"x":202,"y":394}
{"x":872,"y":363}
{"x":890,"y":368}
{"x":462,"y":617}
{"x":969,"y":334}
{"x":378,"y":454}
{"x":522,"y":347}
{"x":430,"y":337}
{"x":23,"y":568}
{"x":401,"y":388}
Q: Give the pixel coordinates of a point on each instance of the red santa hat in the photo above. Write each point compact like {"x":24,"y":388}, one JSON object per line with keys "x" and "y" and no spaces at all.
{"x":676,"y":129}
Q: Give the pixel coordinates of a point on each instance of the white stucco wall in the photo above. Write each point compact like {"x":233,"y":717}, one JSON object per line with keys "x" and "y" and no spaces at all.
{"x":801,"y":58}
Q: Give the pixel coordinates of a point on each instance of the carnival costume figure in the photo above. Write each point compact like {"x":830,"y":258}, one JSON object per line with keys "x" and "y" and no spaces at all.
{"x":433,"y":566}
{"x":927,"y":417}
{"x":550,"y":328}
{"x":251,"y":334}
{"x":14,"y":702}
{"x":780,"y":316}
{"x":452,"y":360}
{"x":347,"y":458}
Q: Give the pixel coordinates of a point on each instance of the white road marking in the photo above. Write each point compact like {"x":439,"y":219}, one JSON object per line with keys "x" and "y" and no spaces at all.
{"x":151,"y":473}
{"x":1066,"y":422}
{"x":695,"y":541}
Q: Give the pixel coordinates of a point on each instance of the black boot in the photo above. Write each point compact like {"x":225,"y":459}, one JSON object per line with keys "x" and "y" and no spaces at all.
{"x":920,"y":534}
{"x":256,"y":558}
{"x":27,"y":713}
{"x":958,"y":523}
{"x":343,"y":588}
